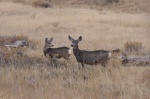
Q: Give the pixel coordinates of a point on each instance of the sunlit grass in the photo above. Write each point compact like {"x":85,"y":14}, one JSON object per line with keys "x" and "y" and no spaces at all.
{"x":33,"y":76}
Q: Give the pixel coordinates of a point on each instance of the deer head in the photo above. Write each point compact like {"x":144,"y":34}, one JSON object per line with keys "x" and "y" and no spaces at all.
{"x":48,"y":43}
{"x":74,"y":42}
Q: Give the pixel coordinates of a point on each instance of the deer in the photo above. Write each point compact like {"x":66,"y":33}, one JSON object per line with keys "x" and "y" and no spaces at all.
{"x":60,"y":52}
{"x":90,"y":57}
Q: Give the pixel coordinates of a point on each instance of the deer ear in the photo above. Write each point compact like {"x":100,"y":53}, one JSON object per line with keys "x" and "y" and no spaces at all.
{"x":80,"y":38}
{"x":71,"y":39}
{"x":46,"y":39}
{"x":51,"y":39}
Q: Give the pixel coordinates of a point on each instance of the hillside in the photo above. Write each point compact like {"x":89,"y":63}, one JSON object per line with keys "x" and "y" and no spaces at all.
{"x":130,"y":6}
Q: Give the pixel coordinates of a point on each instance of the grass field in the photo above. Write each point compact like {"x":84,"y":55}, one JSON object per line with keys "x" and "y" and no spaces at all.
{"x":34,"y":77}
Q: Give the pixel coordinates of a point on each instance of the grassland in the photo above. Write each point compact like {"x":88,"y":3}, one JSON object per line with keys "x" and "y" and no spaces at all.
{"x":34,"y":77}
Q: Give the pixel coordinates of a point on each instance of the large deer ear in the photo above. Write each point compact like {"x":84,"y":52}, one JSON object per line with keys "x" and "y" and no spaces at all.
{"x":70,"y":38}
{"x":51,"y":39}
{"x":80,"y":38}
{"x":46,"y":39}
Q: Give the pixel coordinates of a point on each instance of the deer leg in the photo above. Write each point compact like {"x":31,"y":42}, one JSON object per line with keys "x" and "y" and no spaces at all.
{"x":66,"y":57}
{"x":82,"y":65}
{"x":103,"y":64}
{"x":51,"y":56}
{"x":54,"y":62}
{"x":59,"y":56}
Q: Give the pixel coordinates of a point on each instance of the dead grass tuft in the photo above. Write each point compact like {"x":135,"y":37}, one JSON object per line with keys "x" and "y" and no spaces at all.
{"x":133,"y":46}
{"x":111,"y":1}
{"x":42,"y":4}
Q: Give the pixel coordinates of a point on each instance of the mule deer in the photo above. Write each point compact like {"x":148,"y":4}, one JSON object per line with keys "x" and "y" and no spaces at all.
{"x":56,"y":52}
{"x":90,"y":57}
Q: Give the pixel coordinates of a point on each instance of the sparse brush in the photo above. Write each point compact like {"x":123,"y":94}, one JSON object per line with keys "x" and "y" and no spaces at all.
{"x":11,"y":39}
{"x":7,"y":56}
{"x":133,"y":46}
{"x":116,"y":1}
{"x":19,"y":1}
{"x":110,"y":1}
{"x":4,"y":40}
{"x":18,"y":37}
{"x":42,"y":4}
{"x":17,"y":57}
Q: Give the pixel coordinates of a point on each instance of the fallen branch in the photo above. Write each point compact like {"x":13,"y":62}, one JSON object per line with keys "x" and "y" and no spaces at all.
{"x":16,"y":44}
{"x":136,"y":60}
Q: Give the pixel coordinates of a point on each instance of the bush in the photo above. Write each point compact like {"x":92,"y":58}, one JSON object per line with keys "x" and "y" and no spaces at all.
{"x":133,"y":46}
{"x":41,"y":4}
{"x":111,"y":1}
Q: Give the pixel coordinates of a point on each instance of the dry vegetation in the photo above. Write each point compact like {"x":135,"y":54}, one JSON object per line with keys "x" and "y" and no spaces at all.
{"x":26,"y":74}
{"x":133,"y":46}
{"x":129,"y":6}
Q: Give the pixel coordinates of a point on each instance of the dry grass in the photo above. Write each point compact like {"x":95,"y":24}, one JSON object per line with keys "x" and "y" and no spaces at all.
{"x":133,"y":46}
{"x":129,"y":6}
{"x":32,"y":76}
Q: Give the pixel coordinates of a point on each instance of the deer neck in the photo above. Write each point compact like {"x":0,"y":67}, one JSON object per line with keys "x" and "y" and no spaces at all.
{"x":76,"y":50}
{"x":45,"y":48}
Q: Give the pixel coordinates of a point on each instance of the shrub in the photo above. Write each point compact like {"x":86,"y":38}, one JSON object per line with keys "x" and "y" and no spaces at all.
{"x":19,"y":1}
{"x":42,"y":4}
{"x":110,"y":1}
{"x":133,"y":46}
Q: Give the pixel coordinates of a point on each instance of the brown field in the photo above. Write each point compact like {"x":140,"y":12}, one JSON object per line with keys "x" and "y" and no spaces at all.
{"x":32,"y":76}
